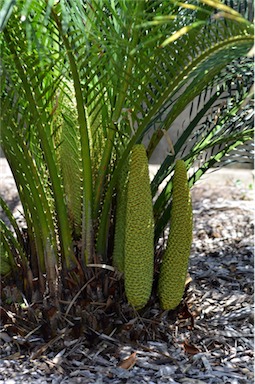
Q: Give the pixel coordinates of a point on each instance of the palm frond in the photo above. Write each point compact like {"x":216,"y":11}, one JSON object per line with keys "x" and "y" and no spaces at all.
{"x":70,"y":162}
{"x":36,"y":118}
{"x":5,"y":12}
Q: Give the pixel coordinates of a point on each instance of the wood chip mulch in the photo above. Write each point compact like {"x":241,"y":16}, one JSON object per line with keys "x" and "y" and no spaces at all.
{"x":209,"y":342}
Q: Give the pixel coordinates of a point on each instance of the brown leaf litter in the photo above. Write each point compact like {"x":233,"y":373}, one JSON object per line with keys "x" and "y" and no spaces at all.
{"x":209,"y":339}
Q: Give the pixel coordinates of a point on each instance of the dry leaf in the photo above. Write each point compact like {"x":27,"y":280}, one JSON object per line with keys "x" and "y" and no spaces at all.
{"x":188,"y":279}
{"x":129,"y":362}
{"x":14,"y":356}
{"x":169,"y":141}
{"x":186,"y":314}
{"x":38,"y":352}
{"x":190,"y":349}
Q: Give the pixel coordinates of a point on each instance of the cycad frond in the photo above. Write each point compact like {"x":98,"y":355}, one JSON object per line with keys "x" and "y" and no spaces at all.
{"x":83,"y":82}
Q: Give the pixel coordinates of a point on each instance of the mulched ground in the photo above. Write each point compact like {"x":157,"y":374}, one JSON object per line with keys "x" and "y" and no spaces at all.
{"x":211,"y":340}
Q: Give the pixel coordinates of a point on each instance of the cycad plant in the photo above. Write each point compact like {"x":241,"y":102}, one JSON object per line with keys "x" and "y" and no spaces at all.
{"x":82,"y":83}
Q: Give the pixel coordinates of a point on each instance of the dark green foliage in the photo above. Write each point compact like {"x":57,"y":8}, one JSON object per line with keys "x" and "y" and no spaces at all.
{"x":120,"y":225}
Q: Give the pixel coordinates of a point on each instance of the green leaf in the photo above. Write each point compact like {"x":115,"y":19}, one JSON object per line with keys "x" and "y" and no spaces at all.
{"x":6,"y":12}
{"x":181,"y":32}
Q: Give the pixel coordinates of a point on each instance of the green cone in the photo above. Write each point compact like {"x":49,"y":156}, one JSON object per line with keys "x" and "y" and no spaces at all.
{"x":139,"y":236}
{"x":175,"y":260}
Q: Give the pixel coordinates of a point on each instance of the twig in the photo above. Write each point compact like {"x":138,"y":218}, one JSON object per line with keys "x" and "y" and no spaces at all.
{"x":104,"y":266}
{"x":77,"y":295}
